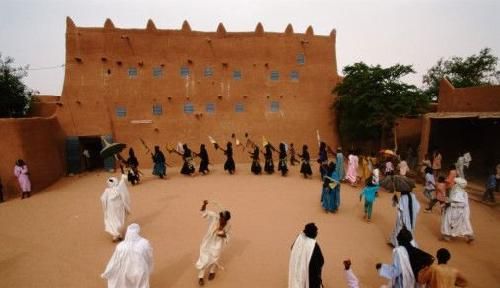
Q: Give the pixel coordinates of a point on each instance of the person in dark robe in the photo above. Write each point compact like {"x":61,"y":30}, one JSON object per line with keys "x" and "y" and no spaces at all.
{"x":159,"y":168}
{"x":268,"y":158}
{"x":306,"y":260}
{"x":188,"y":166}
{"x":256,"y":168}
{"x":203,"y":160}
{"x":229,"y":165}
{"x":305,"y":167}
{"x":322,"y":159}
{"x":133,"y":167}
{"x":293,"y":160}
{"x":282,"y":164}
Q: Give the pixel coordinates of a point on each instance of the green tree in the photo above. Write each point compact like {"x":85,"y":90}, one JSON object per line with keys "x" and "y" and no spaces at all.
{"x":476,"y":70}
{"x":15,"y":97}
{"x":371,"y":98}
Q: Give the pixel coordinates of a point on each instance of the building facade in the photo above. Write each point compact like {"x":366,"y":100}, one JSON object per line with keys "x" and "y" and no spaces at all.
{"x":170,"y":86}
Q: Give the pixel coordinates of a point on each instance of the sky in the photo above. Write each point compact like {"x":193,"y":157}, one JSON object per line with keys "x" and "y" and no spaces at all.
{"x":385,"y":32}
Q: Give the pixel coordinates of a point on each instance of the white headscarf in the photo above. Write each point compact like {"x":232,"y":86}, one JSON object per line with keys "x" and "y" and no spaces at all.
{"x":112,"y":182}
{"x":132,"y":234}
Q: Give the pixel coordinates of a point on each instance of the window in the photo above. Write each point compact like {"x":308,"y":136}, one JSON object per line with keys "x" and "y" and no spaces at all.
{"x":210,"y":108}
{"x":157,"y":72}
{"x":188,"y":108}
{"x":185,"y":72}
{"x":237,"y":75}
{"x":239,"y":107}
{"x":121,"y":111}
{"x":301,"y":59}
{"x":275,"y":106}
{"x":208,"y":72}
{"x":275,"y":75}
{"x":132,"y":72}
{"x":157,"y":109}
{"x":294,"y":76}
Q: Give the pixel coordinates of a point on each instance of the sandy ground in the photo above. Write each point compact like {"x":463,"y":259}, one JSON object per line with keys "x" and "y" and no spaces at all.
{"x":56,"y":238}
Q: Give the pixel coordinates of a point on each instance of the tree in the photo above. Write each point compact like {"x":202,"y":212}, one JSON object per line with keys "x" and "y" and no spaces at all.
{"x":371,"y":98}
{"x":15,"y":97}
{"x":476,"y":70}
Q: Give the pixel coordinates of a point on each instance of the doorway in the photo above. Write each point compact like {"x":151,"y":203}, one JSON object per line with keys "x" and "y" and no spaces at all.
{"x":90,"y":147}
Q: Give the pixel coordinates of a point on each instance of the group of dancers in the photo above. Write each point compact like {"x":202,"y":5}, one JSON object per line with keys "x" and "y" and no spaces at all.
{"x":132,"y":262}
{"x":286,"y":153}
{"x":408,"y":259}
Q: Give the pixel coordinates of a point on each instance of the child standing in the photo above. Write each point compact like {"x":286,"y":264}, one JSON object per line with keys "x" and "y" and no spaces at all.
{"x":369,"y":193}
{"x":440,"y":195}
{"x":491,"y":184}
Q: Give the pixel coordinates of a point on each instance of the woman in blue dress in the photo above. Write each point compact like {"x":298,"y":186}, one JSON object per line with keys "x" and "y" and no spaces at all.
{"x":330,"y":197}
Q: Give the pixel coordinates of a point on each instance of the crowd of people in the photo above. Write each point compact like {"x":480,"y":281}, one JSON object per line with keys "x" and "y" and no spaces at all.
{"x":132,"y":261}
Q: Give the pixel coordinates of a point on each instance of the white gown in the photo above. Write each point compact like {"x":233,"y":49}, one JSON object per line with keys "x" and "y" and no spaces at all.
{"x":399,"y":272}
{"x":212,"y":245}
{"x":456,"y":219}
{"x":403,"y":217}
{"x":298,"y":267}
{"x":115,"y":204}
{"x":131,"y":263}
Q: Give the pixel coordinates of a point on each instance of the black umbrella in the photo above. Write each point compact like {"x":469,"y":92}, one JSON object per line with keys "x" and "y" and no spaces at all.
{"x":398,"y":183}
{"x":110,"y":149}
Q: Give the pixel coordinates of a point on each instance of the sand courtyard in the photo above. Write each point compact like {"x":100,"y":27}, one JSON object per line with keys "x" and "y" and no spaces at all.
{"x":56,"y":238}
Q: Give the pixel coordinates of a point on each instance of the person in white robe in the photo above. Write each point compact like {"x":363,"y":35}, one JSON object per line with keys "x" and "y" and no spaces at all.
{"x":306,"y":260}
{"x":399,"y":273}
{"x":463,"y":162}
{"x":351,"y":279}
{"x":116,"y":205}
{"x":131,"y":263}
{"x":407,"y":208}
{"x":213,"y":243}
{"x":455,"y":221}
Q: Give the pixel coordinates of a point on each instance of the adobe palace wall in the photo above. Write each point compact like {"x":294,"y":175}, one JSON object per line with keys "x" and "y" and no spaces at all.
{"x":39,"y":141}
{"x":470,"y":99}
{"x":169,"y":86}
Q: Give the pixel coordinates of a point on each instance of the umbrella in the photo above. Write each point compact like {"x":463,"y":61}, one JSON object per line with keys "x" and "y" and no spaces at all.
{"x":110,"y":149}
{"x":387,"y":152}
{"x":398,"y":183}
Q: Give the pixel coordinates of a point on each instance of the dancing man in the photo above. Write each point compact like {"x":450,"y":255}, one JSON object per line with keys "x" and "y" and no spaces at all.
{"x":268,"y":158}
{"x":256,"y":168}
{"x":159,"y":168}
{"x":116,"y":206}
{"x":282,"y":166}
{"x":188,"y":166}
{"x":305,"y":167}
{"x":213,"y":242}
{"x":203,"y":160}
